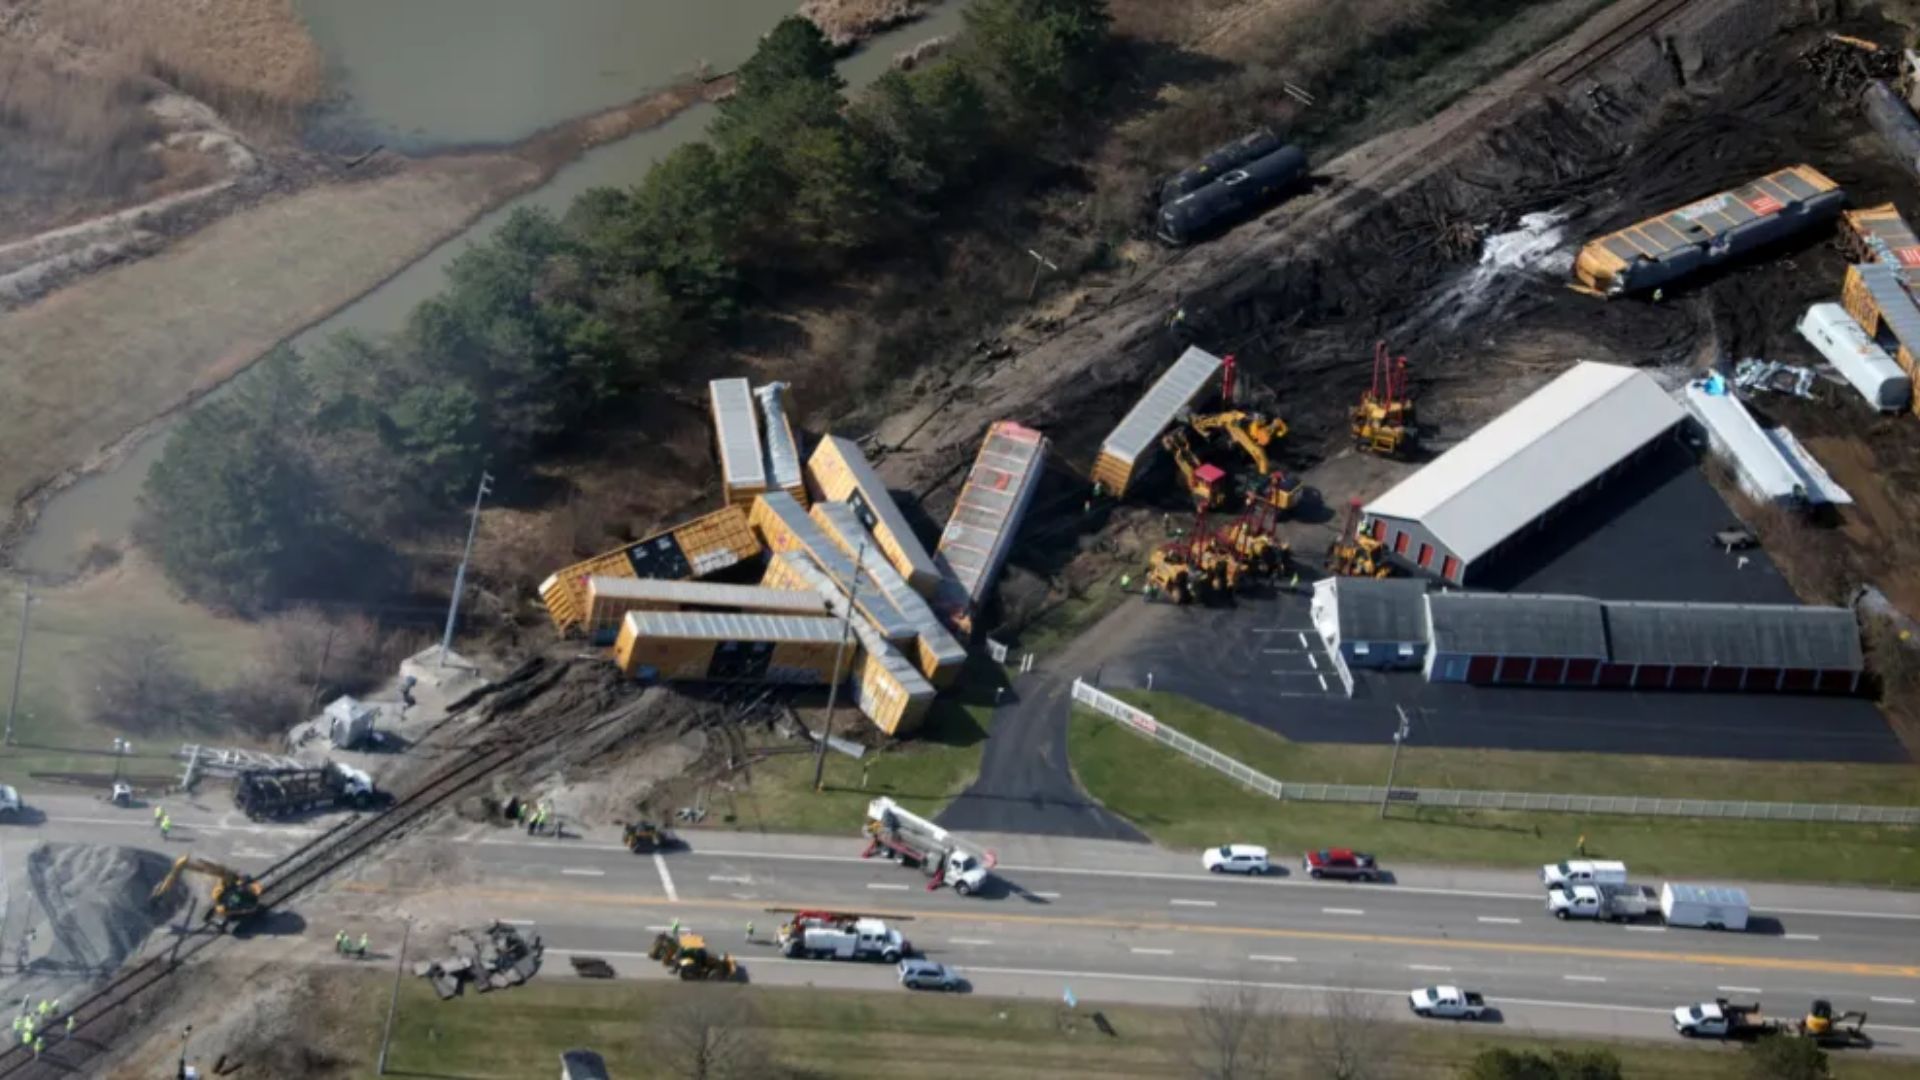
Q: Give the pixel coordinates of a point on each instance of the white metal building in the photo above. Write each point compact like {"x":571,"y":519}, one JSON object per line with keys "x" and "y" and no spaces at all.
{"x":1505,"y":479}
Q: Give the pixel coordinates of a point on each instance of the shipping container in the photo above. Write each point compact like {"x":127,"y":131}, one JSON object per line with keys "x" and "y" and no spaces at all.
{"x":1128,"y":449}
{"x":1708,"y":232}
{"x":1251,"y":147}
{"x":839,"y":472}
{"x":1895,"y":123}
{"x":986,"y":519}
{"x":1766,"y":464}
{"x":783,"y":450}
{"x":706,"y":545}
{"x":707,"y":646}
{"x":736,"y":432}
{"x":937,"y":653}
{"x":788,"y":530}
{"x":886,"y":688}
{"x":1885,"y":308}
{"x":610,"y":598}
{"x":1233,"y":196}
{"x":1879,"y":234}
{"x":1865,"y":365}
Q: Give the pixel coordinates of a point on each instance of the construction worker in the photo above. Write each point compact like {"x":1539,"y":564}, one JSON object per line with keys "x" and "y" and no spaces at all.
{"x":1126,"y":582}
{"x":159,"y":812}
{"x":361,"y":949}
{"x":44,"y":1009}
{"x":39,"y":1044}
{"x":1581,"y":846}
{"x":340,"y":942}
{"x":166,"y":827}
{"x":69,"y":1025}
{"x":749,"y":931}
{"x":1659,"y":295}
{"x":674,"y":929}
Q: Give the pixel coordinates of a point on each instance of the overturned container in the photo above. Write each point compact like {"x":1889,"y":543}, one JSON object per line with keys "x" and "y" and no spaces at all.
{"x":1222,"y":160}
{"x":1866,"y":366}
{"x":1233,"y":196}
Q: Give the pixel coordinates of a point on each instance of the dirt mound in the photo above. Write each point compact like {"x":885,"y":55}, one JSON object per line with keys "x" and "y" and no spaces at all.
{"x":92,"y":904}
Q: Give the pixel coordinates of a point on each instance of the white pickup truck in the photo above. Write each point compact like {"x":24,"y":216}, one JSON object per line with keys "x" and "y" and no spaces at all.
{"x":1447,"y":1003}
{"x":1616,"y":903}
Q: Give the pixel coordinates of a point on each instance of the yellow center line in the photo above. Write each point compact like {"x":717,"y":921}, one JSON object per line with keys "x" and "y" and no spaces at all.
{"x":1093,"y":922}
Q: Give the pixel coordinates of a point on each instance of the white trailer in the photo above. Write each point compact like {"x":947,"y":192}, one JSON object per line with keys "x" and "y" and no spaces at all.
{"x":1615,"y":903}
{"x":895,"y":832}
{"x":1584,"y":872}
{"x":1711,"y":907}
{"x":1828,"y":328}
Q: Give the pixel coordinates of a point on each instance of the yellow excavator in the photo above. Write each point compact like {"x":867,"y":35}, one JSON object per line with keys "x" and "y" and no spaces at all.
{"x":1252,"y":433}
{"x":1206,"y":483}
{"x":1354,"y":553}
{"x":236,"y":896}
{"x":687,"y":956}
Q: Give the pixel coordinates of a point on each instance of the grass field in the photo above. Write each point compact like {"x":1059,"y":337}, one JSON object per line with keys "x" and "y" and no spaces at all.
{"x":71,"y":628}
{"x":1182,"y":805}
{"x":813,"y":1033}
{"x":923,"y":772}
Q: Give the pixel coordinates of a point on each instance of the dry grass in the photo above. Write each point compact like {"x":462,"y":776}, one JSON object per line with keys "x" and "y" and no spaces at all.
{"x":846,"y":22}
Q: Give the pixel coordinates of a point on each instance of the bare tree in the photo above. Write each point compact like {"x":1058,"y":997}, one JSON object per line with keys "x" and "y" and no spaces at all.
{"x":1350,"y":1039}
{"x":711,"y":1033}
{"x":1234,"y":1034}
{"x":142,"y":687}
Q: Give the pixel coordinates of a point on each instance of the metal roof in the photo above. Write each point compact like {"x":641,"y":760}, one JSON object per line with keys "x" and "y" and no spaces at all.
{"x":830,"y":583}
{"x":874,"y":491}
{"x":1718,"y":895}
{"x":783,"y":453}
{"x":1372,"y":609}
{"x":994,"y":498}
{"x":732,"y":626}
{"x":738,"y":433}
{"x":1715,"y":216}
{"x":1495,"y":624}
{"x":845,"y":521}
{"x":1532,"y":457}
{"x":896,"y":663}
{"x":708,"y":594}
{"x":1170,"y":395}
{"x":1764,"y":471}
{"x":1887,"y":236}
{"x":1896,"y":305}
{"x":1733,"y":635}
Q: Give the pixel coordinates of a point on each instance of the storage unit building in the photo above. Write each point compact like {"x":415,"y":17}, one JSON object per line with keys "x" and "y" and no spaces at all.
{"x":1708,"y":233}
{"x":936,"y":652}
{"x":1885,"y":309}
{"x":783,"y":449}
{"x":610,"y":598}
{"x":993,"y":501}
{"x":1770,"y":465}
{"x":1129,"y":448}
{"x":1865,"y":365}
{"x":1577,"y":641}
{"x":707,"y":646}
{"x":736,"y":431}
{"x":1461,"y":510}
{"x":839,"y":472}
{"x":1372,"y":622}
{"x":706,"y":545}
{"x":788,"y":530}
{"x":1498,"y":638}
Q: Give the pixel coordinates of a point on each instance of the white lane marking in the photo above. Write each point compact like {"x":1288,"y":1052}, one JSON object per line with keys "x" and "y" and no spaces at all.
{"x":731,"y":879}
{"x":1648,"y":929}
{"x":1499,"y":919}
{"x":583,"y":871}
{"x":1194,"y":903}
{"x":1271,"y":959}
{"x":571,"y":845}
{"x":147,"y":823}
{"x":1740,"y":989}
{"x":1428,"y":967}
{"x":598,"y":952}
{"x":1048,"y":895}
{"x":1585,"y":978}
{"x":884,"y":885}
{"x":1892,"y":1001}
{"x":968,"y":941}
{"x":518,"y":922}
{"x":1341,"y":911}
{"x":1314,"y":660}
{"x":1323,"y":682}
{"x":1151,"y":952}
{"x":666,"y":879}
{"x":1284,"y":652}
{"x":1303,"y":640}
{"x":661,"y":929}
{"x":1842,"y":914}
{"x":1801,"y":937}
{"x":253,"y":853}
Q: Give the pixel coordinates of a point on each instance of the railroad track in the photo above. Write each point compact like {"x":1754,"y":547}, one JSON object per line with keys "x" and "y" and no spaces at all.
{"x":1650,"y":16}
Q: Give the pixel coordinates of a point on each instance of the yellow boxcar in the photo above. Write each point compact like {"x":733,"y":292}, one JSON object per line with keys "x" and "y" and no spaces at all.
{"x":936,"y":652}
{"x":838,"y":472}
{"x":705,"y":646}
{"x":788,"y":530}
{"x":736,"y":434}
{"x":610,"y":598}
{"x":705,"y":545}
{"x":886,"y":688}
{"x":1878,"y":298}
{"x":1127,"y":450}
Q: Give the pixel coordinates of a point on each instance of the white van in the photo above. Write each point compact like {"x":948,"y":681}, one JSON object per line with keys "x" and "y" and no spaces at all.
{"x":1584,"y":872}
{"x":1712,"y":907}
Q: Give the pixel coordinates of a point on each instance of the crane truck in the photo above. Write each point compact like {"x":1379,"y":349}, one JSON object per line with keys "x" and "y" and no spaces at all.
{"x":894,"y":832}
{"x":841,"y":935}
{"x":270,"y":794}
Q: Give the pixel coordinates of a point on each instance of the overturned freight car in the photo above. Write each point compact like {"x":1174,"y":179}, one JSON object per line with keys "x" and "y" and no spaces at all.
{"x":1233,"y":196}
{"x":1128,"y":449}
{"x":705,"y":545}
{"x":980,"y":533}
{"x":1707,"y":233}
{"x":1225,"y":159}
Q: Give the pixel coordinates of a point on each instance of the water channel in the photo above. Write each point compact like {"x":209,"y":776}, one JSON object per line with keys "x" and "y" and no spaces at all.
{"x":454,"y":72}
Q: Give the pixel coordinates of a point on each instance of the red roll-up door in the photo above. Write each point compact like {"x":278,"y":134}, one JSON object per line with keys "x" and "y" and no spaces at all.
{"x":1513,"y":669}
{"x":1426,"y":556}
{"x":1836,"y":682}
{"x":1688,"y":678}
{"x":1380,"y":531}
{"x":1724,"y":678}
{"x":1580,"y":672}
{"x":1450,"y":569}
{"x":1548,"y":671}
{"x":1652,"y":677}
{"x":1400,"y":543}
{"x":1798,"y":679}
{"x":1480,"y":669}
{"x":1616,"y":674}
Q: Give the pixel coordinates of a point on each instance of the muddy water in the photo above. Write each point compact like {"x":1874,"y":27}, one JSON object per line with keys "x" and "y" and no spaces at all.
{"x":101,"y":508}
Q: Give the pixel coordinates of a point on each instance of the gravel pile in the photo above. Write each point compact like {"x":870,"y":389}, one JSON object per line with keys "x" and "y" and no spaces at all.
{"x":91,"y":905}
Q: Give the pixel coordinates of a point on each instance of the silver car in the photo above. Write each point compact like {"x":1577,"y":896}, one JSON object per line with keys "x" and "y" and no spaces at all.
{"x":920,"y":974}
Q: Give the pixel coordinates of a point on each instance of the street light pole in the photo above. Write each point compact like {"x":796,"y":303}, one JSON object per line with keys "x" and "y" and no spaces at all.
{"x":460,"y":575}
{"x":19,"y":663}
{"x":1399,"y":737}
{"x":839,"y":658}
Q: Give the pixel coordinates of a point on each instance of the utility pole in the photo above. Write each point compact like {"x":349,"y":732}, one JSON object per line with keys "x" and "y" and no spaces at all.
{"x":1399,"y":737}
{"x":121,"y":748}
{"x":393,"y":1003}
{"x":839,"y":658}
{"x":19,"y":662}
{"x":1041,"y":265}
{"x":460,"y":576}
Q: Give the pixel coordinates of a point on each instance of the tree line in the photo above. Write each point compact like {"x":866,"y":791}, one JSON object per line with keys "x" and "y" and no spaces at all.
{"x":296,"y":484}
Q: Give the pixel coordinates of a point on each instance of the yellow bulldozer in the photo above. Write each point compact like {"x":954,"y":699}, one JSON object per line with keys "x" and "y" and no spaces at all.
{"x":1251,"y":432}
{"x":1354,"y":553}
{"x":235,"y":896}
{"x":1382,"y":423}
{"x":687,"y":956}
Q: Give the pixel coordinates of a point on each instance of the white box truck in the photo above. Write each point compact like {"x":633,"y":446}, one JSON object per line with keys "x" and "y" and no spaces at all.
{"x":1711,"y":907}
{"x":1584,"y":872}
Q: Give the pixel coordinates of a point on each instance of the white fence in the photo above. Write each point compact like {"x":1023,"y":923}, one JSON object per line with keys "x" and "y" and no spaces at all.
{"x":1144,"y":724}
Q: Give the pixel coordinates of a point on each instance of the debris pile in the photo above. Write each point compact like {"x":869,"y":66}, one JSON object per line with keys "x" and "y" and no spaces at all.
{"x":1844,"y":65}
{"x":491,"y":957}
{"x":90,"y":909}
{"x":1757,"y":374}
